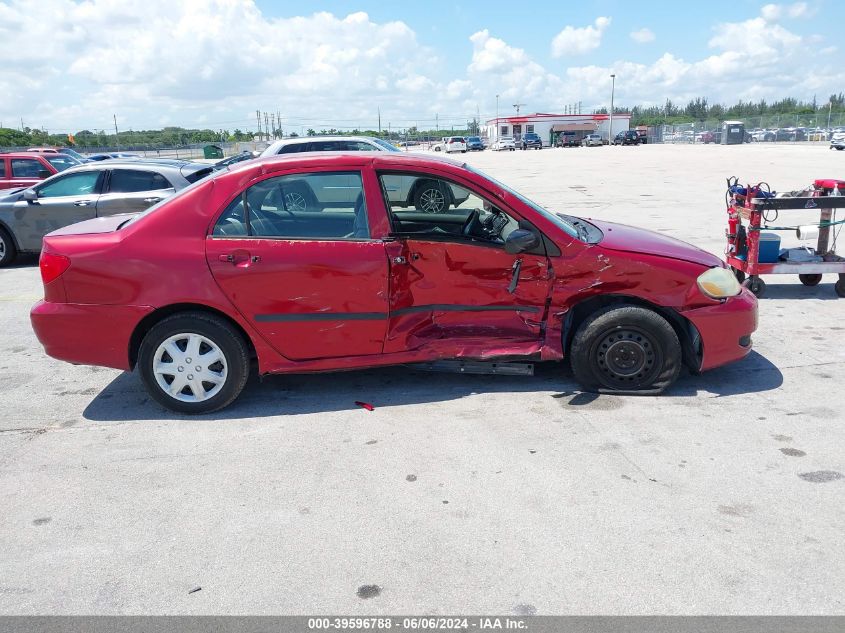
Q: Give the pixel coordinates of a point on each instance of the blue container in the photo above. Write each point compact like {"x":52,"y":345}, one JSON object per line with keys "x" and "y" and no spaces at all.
{"x":769,"y":248}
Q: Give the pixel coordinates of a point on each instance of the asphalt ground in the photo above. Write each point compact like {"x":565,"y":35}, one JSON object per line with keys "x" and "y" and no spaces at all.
{"x":457,"y":494}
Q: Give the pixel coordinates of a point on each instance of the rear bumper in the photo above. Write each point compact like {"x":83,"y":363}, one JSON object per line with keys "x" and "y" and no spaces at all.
{"x":725,"y":329}
{"x":87,"y":334}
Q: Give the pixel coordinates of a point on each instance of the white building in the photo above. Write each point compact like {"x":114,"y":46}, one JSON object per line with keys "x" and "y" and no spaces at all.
{"x":550,"y":126}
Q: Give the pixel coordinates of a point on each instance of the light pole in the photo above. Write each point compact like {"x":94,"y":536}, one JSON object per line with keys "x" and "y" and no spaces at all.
{"x":612,"y":90}
{"x":497,"y":118}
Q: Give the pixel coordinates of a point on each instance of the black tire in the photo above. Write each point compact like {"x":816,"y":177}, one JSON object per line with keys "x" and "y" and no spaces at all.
{"x":646,"y":353}
{"x":425,"y":192}
{"x":839,"y":287}
{"x":810,"y":280}
{"x":756,"y":285}
{"x":739,"y":274}
{"x":436,"y":149}
{"x":8,"y":251}
{"x":215,"y":329}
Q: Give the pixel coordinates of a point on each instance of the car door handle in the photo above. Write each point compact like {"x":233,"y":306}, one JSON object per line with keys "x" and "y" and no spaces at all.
{"x":229,"y":258}
{"x":152,"y":200}
{"x":82,"y":203}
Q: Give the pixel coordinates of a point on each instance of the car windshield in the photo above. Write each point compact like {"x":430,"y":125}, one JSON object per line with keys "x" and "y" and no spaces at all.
{"x":390,"y":147}
{"x":61,"y":162}
{"x":474,"y":139}
{"x":557,"y":219}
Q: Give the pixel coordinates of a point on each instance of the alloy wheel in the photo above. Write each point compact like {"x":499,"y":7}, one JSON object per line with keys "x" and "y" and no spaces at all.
{"x":433,"y":201}
{"x":295,"y":201}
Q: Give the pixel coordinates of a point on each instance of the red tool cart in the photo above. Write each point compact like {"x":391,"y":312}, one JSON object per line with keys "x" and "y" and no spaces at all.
{"x":754,"y":211}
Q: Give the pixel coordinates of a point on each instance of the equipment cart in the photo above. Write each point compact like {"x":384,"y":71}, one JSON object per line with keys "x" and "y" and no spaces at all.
{"x":761,"y":210}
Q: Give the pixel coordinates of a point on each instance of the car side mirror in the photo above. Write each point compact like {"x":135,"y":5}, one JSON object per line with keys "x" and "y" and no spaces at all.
{"x":43,"y":173}
{"x":30,"y":195}
{"x":520,"y":241}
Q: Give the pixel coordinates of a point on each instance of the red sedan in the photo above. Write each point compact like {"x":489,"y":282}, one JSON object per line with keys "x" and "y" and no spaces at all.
{"x":321,"y":262}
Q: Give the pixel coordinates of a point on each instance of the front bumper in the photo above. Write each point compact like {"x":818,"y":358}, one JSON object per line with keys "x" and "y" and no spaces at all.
{"x":87,"y":334}
{"x":725,"y":329}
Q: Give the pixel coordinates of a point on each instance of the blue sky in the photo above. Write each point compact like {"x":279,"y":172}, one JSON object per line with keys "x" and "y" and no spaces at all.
{"x":336,"y":63}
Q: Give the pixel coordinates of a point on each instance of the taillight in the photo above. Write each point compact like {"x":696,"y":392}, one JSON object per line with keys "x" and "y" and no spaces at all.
{"x":52,"y":266}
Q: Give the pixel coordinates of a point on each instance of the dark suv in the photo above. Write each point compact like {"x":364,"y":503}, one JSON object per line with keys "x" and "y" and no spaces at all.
{"x":628,"y":137}
{"x":530,"y":139}
{"x":474,"y":144}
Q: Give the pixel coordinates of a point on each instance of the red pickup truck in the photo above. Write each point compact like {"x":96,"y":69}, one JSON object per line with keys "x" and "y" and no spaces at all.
{"x":24,"y":169}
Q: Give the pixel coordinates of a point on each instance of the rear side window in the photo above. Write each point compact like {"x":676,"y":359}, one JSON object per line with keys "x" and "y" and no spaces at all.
{"x":2,"y":168}
{"x":324,"y":205}
{"x":27,"y":168}
{"x":132,"y":181}
{"x":293,"y":148}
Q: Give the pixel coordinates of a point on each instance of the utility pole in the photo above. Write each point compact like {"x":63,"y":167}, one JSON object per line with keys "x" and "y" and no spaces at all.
{"x":436,"y":122}
{"x":518,"y":106}
{"x":258,"y":118}
{"x":116,"y":134}
{"x":266,"y":126}
{"x":379,"y":121}
{"x":829,"y":111}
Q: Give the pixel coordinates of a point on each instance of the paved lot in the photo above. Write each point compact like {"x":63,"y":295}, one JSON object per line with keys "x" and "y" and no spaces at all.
{"x":458,"y":494}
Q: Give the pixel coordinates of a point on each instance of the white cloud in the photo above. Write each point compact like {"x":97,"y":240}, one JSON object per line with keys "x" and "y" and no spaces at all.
{"x":577,"y":41}
{"x":74,"y":63}
{"x":642,"y":36}
{"x":774,"y":12}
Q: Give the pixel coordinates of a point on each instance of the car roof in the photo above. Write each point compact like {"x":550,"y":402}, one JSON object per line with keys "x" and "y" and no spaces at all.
{"x":171,"y":167}
{"x":278,"y":162}
{"x":22,"y":154}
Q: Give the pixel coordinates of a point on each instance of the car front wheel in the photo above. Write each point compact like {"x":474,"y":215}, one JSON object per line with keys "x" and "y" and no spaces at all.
{"x":194,"y":363}
{"x":7,"y":248}
{"x":625,"y":349}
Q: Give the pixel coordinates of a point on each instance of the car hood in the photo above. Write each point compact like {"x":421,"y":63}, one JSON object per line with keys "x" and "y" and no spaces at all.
{"x":11,"y":195}
{"x":621,"y":237}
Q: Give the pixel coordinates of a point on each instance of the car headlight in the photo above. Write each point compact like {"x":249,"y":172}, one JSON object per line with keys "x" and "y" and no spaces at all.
{"x":718,"y":283}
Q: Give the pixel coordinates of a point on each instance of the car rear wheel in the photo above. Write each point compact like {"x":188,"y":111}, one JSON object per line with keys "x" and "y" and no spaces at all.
{"x":193,"y":363}
{"x":625,"y":349}
{"x":7,"y":248}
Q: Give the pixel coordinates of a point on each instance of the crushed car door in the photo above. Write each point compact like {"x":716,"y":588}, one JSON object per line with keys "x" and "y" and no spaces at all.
{"x":455,"y":291}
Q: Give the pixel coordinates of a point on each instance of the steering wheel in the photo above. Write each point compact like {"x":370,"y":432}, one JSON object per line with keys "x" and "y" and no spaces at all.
{"x":470,"y":223}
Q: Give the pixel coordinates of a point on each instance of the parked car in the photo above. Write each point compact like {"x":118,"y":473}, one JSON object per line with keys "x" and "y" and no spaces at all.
{"x":763,"y":136}
{"x":363,"y":285}
{"x":474,"y":144}
{"x":592,"y":140}
{"x":60,"y":150}
{"x":329,"y":144}
{"x":237,"y":158}
{"x":838,"y":144}
{"x":111,"y":155}
{"x":23,"y":169}
{"x":530,"y":140}
{"x":567,"y":139}
{"x":504,"y":143}
{"x":85,"y":192}
{"x":628,"y":137}
{"x":451,"y":144}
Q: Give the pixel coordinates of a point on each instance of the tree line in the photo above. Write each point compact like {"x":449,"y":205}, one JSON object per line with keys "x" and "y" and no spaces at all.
{"x":697,"y":110}
{"x":700,"y":110}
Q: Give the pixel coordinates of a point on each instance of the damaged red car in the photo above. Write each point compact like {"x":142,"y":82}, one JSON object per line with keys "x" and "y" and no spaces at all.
{"x":322,"y":262}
